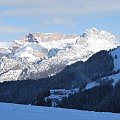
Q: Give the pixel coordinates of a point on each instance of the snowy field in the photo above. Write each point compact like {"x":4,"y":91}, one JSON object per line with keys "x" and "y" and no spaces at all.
{"x":28,"y":112}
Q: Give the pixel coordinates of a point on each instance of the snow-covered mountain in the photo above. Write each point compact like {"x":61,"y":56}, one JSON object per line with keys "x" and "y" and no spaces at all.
{"x":40,"y":55}
{"x":4,"y":48}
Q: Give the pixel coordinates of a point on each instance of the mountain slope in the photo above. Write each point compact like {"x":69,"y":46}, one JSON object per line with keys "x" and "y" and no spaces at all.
{"x":101,"y":93}
{"x":114,"y":76}
{"x":40,"y":55}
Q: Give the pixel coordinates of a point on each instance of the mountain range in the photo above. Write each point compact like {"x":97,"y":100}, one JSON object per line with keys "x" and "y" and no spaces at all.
{"x":40,"y":55}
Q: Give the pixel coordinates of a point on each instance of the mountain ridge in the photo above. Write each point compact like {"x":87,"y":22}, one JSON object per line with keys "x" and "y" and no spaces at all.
{"x":33,"y":57}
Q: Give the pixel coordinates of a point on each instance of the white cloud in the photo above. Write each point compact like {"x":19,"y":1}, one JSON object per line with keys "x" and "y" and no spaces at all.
{"x":60,"y":21}
{"x":26,"y":3}
{"x":51,"y":7}
{"x":65,"y":10}
{"x":11,"y":29}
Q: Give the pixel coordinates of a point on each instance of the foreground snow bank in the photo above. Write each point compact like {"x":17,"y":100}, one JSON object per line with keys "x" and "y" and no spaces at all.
{"x":26,"y":112}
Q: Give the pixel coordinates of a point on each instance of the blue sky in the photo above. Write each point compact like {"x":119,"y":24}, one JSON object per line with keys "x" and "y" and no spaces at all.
{"x":18,"y":17}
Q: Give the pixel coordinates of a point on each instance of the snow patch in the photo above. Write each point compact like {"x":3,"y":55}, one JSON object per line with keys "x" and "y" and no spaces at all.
{"x":91,"y":85}
{"x":116,"y":55}
{"x":115,"y":78}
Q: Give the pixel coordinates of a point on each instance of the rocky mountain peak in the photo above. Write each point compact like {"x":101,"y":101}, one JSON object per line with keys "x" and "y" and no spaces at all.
{"x":99,"y":34}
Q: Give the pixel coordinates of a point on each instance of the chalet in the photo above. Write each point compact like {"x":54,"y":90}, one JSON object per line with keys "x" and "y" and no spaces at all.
{"x":56,"y":95}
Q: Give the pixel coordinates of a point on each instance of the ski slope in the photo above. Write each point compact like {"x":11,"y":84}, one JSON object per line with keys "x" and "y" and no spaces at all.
{"x":28,"y":112}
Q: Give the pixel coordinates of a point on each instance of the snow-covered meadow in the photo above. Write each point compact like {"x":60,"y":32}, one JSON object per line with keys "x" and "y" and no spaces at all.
{"x":27,"y":112}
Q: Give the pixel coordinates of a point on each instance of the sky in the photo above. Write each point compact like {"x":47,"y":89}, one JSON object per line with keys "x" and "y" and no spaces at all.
{"x":18,"y":17}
